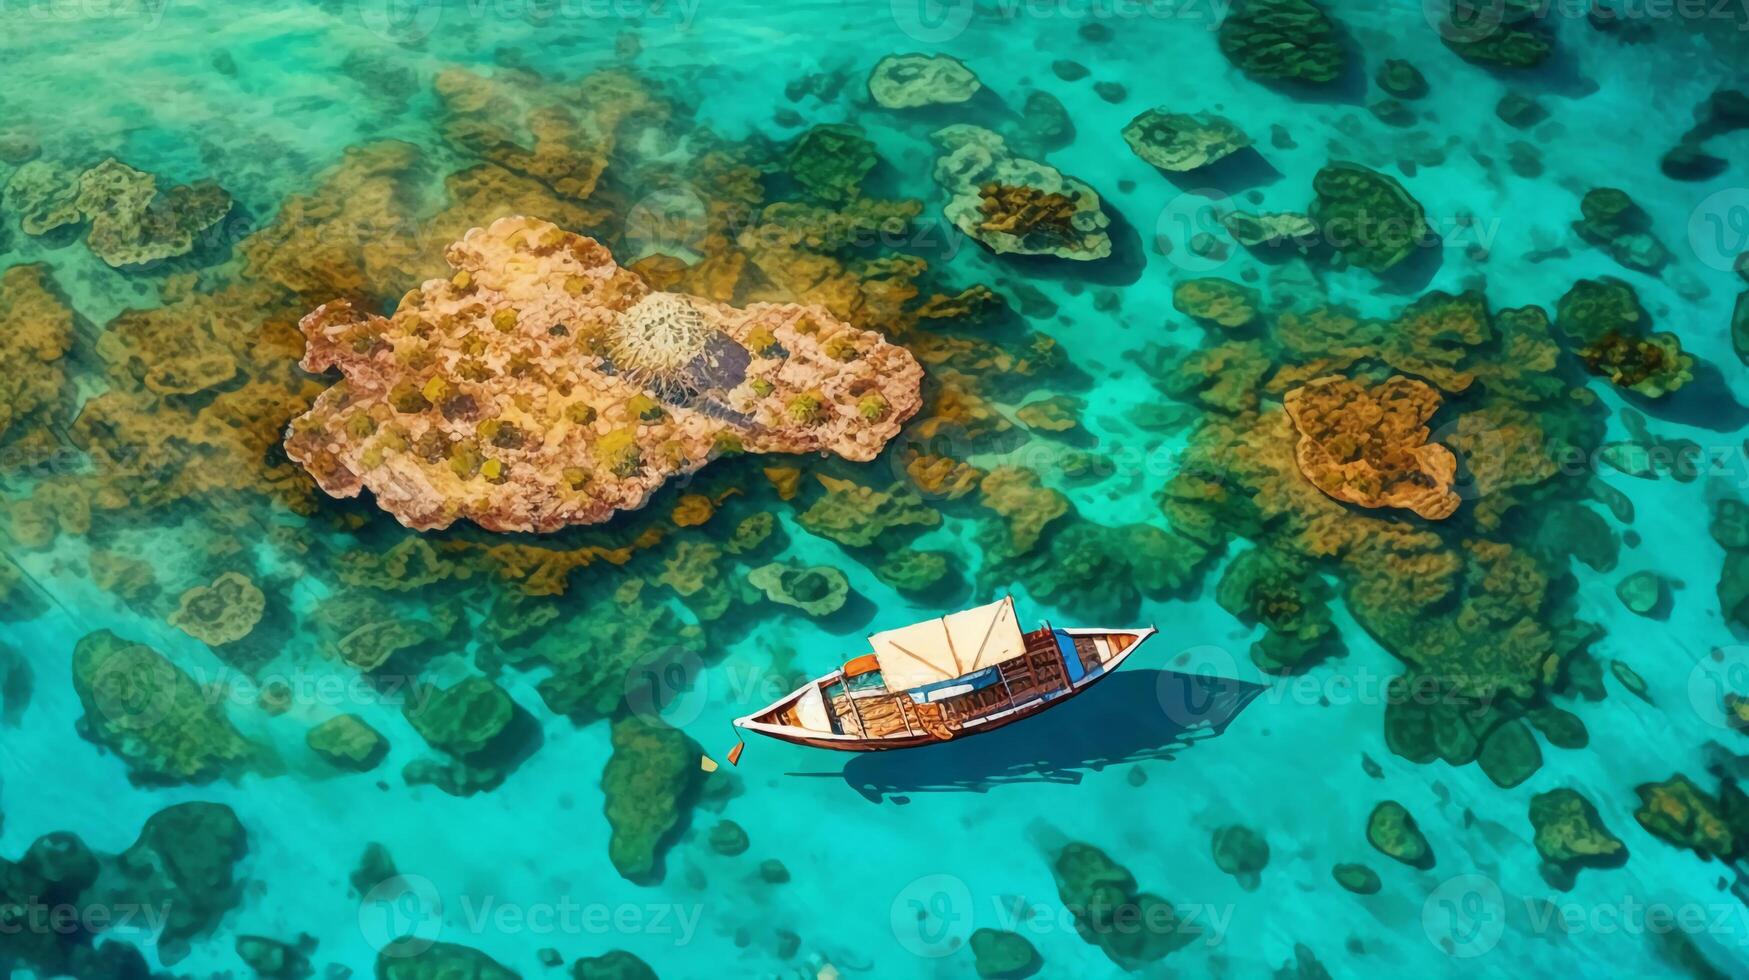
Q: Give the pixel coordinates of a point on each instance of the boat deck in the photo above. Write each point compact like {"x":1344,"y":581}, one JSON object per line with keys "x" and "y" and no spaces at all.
{"x":1023,"y":680}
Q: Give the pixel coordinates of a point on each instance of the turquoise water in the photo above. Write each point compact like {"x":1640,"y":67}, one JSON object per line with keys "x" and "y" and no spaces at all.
{"x":341,"y":132}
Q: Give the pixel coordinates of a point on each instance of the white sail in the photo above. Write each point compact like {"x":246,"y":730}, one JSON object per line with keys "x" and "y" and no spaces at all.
{"x":947,"y":647}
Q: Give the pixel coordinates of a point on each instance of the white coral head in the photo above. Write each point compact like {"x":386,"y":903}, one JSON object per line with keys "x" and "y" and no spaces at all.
{"x":659,"y":342}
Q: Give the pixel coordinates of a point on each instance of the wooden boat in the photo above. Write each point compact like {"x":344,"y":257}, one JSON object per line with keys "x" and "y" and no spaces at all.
{"x":958,"y":675}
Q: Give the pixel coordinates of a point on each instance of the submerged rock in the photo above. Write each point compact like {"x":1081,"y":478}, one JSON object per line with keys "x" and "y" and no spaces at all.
{"x":1678,"y":812}
{"x":830,"y":162}
{"x":728,"y":838}
{"x":1497,"y":33}
{"x":1014,"y":205}
{"x":440,"y":961}
{"x":1287,"y":596}
{"x":1641,"y":592}
{"x":1571,"y":836}
{"x":1603,"y":319}
{"x":271,"y":959}
{"x":184,"y":862}
{"x":1509,"y":754}
{"x":544,"y":385}
{"x":858,"y":516}
{"x":1242,"y":853}
{"x":1132,"y":927}
{"x":1283,"y":40}
{"x":1402,"y":79}
{"x":1045,"y":122}
{"x":1357,"y":878}
{"x":649,"y":782}
{"x":1217,"y":301}
{"x":135,"y":223}
{"x":44,"y":195}
{"x":1368,"y":446}
{"x":911,"y":570}
{"x":1003,"y":955}
{"x":1614,"y":222}
{"x":1180,"y":142}
{"x":347,"y":742}
{"x":1368,"y":216}
{"x":1393,"y":832}
{"x":143,"y":708}
{"x":818,"y":591}
{"x":910,"y":81}
{"x":224,"y":612}
{"x":37,"y":330}
{"x":612,"y":965}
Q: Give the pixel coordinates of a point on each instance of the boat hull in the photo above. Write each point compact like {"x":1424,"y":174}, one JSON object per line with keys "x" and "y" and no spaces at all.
{"x":762,"y":721}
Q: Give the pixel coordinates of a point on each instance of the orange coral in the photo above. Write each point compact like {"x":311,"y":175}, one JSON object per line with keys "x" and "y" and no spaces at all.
{"x":1042,"y":218}
{"x":1368,"y":446}
{"x":36,"y":331}
{"x":522,"y":393}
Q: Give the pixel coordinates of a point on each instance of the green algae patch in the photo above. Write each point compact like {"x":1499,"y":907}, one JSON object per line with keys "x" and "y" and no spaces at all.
{"x":1571,"y":836}
{"x":1283,"y":41}
{"x":1680,"y":813}
{"x":1281,"y":592}
{"x":816,"y":590}
{"x":650,"y":782}
{"x":1002,"y":955}
{"x":1132,"y":927}
{"x":1509,"y":755}
{"x":347,"y":742}
{"x":1368,"y":216}
{"x":151,"y":714}
{"x":613,"y":965}
{"x":1357,"y":878}
{"x":1392,"y":831}
{"x":440,"y":961}
{"x":1242,"y":853}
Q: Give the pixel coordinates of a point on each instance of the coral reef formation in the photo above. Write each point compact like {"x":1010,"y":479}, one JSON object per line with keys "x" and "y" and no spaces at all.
{"x":1283,"y":40}
{"x":650,"y":782}
{"x":910,"y":81}
{"x":1180,"y":142}
{"x":1133,"y":927}
{"x":1367,"y":216}
{"x":543,"y":385}
{"x":151,"y":714}
{"x":1368,"y":445}
{"x":1014,"y":205}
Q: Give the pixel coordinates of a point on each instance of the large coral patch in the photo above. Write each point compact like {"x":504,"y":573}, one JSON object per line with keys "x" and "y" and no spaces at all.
{"x":1368,"y":446}
{"x":544,"y":385}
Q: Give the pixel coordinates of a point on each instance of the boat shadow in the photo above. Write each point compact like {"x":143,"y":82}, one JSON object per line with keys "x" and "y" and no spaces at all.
{"x":1131,"y":716}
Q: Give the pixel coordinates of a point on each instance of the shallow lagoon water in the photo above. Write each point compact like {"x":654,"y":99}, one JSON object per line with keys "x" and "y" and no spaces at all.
{"x":890,"y":872}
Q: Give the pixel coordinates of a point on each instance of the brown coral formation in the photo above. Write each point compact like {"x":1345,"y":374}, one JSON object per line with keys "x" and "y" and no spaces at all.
{"x":1368,"y":445}
{"x":1016,"y":205}
{"x":36,"y":332}
{"x":544,"y":385}
{"x":224,"y":612}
